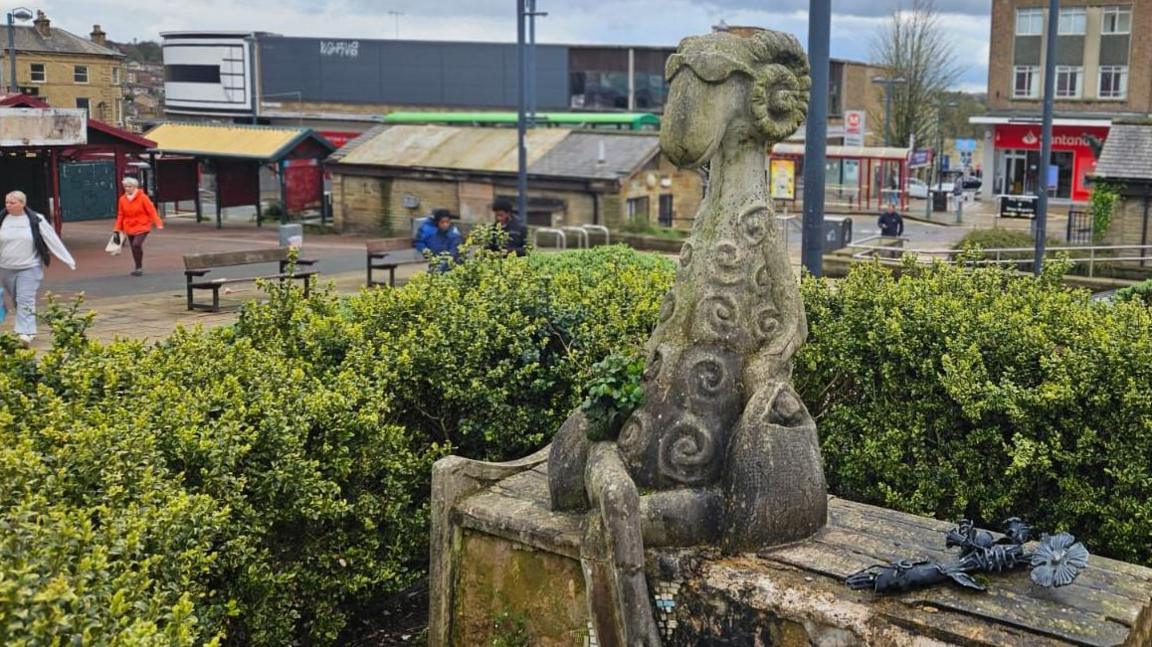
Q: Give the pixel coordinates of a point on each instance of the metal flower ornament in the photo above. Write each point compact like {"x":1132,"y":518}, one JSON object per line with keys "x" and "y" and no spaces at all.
{"x":1055,"y":562}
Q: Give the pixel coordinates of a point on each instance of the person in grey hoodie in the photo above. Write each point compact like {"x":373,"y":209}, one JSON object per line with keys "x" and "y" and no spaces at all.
{"x":27,"y":244}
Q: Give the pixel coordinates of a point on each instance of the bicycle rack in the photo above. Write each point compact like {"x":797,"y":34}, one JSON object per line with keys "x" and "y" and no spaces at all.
{"x":581,"y":235}
{"x":561,"y":237}
{"x":600,"y":229}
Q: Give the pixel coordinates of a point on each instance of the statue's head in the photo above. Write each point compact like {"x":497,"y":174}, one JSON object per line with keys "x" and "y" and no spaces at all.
{"x":721,"y":84}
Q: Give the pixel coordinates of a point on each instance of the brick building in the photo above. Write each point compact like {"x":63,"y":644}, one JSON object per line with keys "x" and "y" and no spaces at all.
{"x":394,"y":173}
{"x":67,"y":71}
{"x":1103,"y":73}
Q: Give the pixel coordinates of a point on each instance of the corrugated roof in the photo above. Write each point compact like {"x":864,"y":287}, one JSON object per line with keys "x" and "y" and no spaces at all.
{"x":1127,"y":153}
{"x":466,"y":149}
{"x":59,"y":42}
{"x":212,"y":140}
{"x":597,"y":155}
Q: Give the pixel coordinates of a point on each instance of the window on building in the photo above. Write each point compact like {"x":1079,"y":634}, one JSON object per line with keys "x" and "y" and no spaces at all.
{"x":1071,"y":22}
{"x":1068,"y":83}
{"x":638,"y":209}
{"x":115,"y":76}
{"x":80,"y":73}
{"x":1116,"y":20}
{"x":37,"y":73}
{"x":666,"y":209}
{"x":82,"y":102}
{"x":1029,"y":22}
{"x":192,"y":73}
{"x":1025,"y":85}
{"x":1113,"y":82}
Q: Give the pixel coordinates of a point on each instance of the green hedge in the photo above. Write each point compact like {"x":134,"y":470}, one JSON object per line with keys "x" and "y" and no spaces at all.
{"x":977,"y":394}
{"x":263,"y":483}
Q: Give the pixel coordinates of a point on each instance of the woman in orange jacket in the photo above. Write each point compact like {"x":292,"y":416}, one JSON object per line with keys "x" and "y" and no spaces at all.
{"x":135,"y":215}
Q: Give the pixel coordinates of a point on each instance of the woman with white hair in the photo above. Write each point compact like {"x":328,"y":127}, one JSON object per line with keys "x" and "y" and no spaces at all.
{"x":27,"y":244}
{"x":135,"y":215}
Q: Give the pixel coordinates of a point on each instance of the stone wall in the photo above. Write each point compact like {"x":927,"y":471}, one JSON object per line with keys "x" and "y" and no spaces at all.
{"x":1128,"y":223}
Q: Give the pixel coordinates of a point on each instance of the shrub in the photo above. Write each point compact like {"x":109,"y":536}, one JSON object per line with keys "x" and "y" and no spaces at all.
{"x":976,"y":393}
{"x":1140,"y":292}
{"x":263,"y":483}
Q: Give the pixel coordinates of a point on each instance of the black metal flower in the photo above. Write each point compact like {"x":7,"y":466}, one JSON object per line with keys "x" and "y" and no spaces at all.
{"x":1058,"y":560}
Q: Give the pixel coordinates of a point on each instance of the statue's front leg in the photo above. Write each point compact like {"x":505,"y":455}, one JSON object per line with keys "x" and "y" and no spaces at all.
{"x":616,"y":510}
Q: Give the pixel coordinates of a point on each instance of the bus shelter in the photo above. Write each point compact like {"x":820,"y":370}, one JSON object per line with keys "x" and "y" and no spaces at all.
{"x":235,"y":155}
{"x":857,"y":178}
{"x":69,"y":165}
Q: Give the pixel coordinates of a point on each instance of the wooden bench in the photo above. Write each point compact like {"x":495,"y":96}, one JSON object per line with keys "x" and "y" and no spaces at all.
{"x":197,"y":265}
{"x":388,"y":254}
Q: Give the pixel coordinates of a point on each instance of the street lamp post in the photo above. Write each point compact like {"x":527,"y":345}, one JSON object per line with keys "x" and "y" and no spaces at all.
{"x":21,"y":14}
{"x":888,"y":83}
{"x":1046,"y":134}
{"x":816,"y":136}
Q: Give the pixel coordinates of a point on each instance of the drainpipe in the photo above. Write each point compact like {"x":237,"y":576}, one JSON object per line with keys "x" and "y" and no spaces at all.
{"x":1144,"y":226}
{"x":596,"y":203}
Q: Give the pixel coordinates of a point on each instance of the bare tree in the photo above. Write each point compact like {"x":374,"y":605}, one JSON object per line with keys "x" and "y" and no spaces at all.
{"x":914,"y":45}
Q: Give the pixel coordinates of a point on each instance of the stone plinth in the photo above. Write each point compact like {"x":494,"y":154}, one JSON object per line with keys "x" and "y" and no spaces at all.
{"x":505,"y":555}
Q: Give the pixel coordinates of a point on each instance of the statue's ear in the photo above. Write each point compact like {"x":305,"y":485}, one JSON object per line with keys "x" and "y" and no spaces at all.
{"x":779,"y":101}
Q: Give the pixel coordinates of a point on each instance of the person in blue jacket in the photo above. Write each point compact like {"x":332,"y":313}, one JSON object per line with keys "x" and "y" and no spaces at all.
{"x":437,"y":236}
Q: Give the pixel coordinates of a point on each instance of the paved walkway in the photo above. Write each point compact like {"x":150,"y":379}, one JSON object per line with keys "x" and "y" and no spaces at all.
{"x":152,"y":306}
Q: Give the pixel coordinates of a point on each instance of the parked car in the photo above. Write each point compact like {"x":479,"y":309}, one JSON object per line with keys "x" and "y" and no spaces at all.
{"x":919,"y":189}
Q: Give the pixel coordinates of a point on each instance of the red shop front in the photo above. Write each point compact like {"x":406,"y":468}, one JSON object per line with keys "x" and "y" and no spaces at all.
{"x":1018,"y":159}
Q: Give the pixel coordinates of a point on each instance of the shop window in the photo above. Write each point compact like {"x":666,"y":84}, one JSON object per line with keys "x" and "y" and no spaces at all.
{"x":666,"y":210}
{"x":1025,"y":85}
{"x":1113,"y":82}
{"x":1068,"y":83}
{"x":1071,"y":22}
{"x":1116,"y":20}
{"x":1029,"y":22}
{"x":82,"y":102}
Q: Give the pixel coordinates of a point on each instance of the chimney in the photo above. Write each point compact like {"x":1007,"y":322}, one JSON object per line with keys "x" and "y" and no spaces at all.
{"x":98,"y":36}
{"x":43,"y":25}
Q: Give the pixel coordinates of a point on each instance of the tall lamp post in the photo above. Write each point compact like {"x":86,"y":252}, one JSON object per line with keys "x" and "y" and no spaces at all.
{"x":816,"y":136}
{"x":21,"y":14}
{"x":888,"y":83}
{"x":1046,"y":133}
{"x":938,"y":162}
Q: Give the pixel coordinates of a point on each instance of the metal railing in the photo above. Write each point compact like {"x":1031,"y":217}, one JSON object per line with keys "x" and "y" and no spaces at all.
{"x":1076,"y":254}
{"x":600,"y":229}
{"x":560,"y":238}
{"x":581,"y":235}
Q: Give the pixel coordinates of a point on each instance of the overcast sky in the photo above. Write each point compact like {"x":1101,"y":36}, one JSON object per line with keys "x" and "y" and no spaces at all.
{"x":639,"y":22}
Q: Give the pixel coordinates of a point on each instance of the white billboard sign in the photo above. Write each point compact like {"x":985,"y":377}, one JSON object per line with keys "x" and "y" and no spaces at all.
{"x":20,"y":127}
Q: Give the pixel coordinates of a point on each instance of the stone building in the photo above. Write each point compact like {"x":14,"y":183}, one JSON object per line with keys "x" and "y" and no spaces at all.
{"x":1103,"y":73}
{"x":67,"y":71}
{"x":1126,"y":162}
{"x":394,"y":173}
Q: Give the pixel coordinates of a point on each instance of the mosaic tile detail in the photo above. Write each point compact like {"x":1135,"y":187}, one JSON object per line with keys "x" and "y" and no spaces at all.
{"x":665,"y":600}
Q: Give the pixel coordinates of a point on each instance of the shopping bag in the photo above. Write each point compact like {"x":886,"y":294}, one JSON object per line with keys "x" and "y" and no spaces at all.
{"x":114,"y":244}
{"x":3,"y":310}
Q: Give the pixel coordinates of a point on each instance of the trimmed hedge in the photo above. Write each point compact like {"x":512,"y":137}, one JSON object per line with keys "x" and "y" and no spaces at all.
{"x":261,"y":484}
{"x":265,"y":483}
{"x":979,"y":394}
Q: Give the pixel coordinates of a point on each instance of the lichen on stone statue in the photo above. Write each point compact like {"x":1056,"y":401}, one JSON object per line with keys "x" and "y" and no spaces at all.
{"x":722,"y":446}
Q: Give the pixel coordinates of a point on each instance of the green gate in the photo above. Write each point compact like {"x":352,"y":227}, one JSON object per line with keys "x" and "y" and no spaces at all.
{"x":88,"y":190}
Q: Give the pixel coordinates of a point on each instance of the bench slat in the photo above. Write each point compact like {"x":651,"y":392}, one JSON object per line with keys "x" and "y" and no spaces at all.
{"x":245,"y":257}
{"x":214,"y":282}
{"x":387,"y":244}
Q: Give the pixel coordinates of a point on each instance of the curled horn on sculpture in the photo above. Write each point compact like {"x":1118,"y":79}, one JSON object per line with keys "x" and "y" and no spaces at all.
{"x":780,"y":94}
